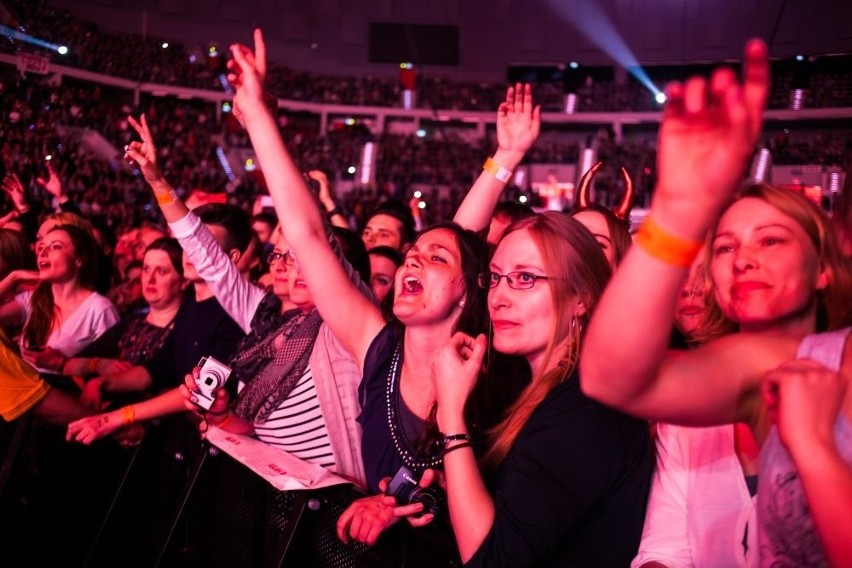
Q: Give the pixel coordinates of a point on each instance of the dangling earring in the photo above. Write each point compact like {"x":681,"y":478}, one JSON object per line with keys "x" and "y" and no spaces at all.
{"x":461,"y":303}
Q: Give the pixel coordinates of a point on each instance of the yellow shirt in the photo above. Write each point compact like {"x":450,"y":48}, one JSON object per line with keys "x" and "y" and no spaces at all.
{"x":21,"y":388}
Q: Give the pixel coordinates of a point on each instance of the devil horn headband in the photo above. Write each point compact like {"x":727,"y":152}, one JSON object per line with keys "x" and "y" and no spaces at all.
{"x":622,"y":210}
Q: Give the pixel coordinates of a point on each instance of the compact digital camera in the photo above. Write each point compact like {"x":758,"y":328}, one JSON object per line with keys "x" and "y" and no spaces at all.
{"x":211,"y":376}
{"x":404,"y":488}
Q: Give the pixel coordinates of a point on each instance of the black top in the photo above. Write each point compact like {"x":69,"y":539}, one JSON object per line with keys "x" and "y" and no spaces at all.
{"x":132,"y":339}
{"x":573,"y":488}
{"x":378,"y":451}
{"x":201,"y":329}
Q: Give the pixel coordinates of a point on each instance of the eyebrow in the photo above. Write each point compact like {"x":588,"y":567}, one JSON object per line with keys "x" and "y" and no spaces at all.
{"x":604,"y":237}
{"x":519,"y":268}
{"x":760,"y":228}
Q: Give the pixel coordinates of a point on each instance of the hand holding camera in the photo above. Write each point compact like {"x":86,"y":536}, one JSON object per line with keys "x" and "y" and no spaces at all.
{"x":212,"y":375}
{"x":408,"y":490}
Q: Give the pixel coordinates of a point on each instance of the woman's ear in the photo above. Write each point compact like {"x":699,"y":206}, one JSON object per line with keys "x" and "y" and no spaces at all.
{"x":580,"y":309}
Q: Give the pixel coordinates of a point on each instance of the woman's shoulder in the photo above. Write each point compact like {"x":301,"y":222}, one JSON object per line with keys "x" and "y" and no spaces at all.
{"x":567,"y":409}
{"x":380,"y":353}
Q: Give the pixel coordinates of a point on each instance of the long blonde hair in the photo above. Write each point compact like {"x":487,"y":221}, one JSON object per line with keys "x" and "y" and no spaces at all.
{"x":577,"y":271}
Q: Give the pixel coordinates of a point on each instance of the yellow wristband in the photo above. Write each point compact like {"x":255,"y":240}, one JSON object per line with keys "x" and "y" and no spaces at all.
{"x":165,"y":198}
{"x":128,"y":416}
{"x":496,"y":170}
{"x":665,"y":246}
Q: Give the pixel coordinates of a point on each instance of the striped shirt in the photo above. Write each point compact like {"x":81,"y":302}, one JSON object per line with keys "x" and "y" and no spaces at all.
{"x":297,"y":426}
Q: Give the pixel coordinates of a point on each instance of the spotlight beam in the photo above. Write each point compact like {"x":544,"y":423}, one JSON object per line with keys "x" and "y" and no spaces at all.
{"x":19,"y":35}
{"x":590,"y":20}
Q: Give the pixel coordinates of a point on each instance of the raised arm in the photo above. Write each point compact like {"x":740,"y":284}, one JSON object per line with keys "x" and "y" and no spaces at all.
{"x":353,"y":318}
{"x":237,"y":296}
{"x":708,"y":133}
{"x":518,"y":126}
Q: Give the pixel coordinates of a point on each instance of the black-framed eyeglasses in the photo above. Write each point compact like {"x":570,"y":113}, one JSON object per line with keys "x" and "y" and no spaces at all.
{"x":519,"y":279}
{"x":273,"y":256}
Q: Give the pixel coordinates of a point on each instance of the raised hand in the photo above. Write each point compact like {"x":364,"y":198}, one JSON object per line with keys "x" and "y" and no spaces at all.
{"x":804,"y":398}
{"x":518,"y":120}
{"x":52,"y":183}
{"x":456,"y":369}
{"x":144,"y":153}
{"x":13,"y":186}
{"x":247,"y":74}
{"x":708,"y":133}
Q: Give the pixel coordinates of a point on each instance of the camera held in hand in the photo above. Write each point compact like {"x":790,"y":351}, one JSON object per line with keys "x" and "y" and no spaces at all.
{"x":212,"y":375}
{"x":405,"y":489}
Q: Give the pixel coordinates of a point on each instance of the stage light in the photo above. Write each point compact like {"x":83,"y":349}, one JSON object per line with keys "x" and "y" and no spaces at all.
{"x":591,"y":21}
{"x":165,"y":45}
{"x":226,"y":107}
{"x":421,"y":204}
{"x":350,"y":122}
{"x":573,"y":65}
{"x":351,"y":169}
{"x":20,"y":35}
{"x":800,"y":58}
{"x":421,"y":133}
{"x":418,"y":194}
{"x":522,"y":199}
{"x":660,"y":98}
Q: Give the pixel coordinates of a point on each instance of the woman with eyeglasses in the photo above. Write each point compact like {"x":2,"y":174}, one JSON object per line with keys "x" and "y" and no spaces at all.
{"x":564,"y":479}
{"x":436,"y":294}
{"x":286,"y":346}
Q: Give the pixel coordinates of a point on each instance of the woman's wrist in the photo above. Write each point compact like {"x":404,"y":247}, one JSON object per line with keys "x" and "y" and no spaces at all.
{"x":509,"y":159}
{"x":451,"y":423}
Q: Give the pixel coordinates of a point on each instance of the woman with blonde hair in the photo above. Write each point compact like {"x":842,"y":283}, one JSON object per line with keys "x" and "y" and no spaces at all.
{"x":564,"y":474}
{"x":777,"y":274}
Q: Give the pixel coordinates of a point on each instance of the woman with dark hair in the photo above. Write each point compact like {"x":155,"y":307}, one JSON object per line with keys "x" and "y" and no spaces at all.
{"x":435,"y":295}
{"x":63,"y":312}
{"x":612,"y":233}
{"x":384,"y":262}
{"x":137,"y":337}
{"x":563,"y":473}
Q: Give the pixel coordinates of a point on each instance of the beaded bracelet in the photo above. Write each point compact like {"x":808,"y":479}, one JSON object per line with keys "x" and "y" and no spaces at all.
{"x":456,"y":447}
{"x":665,"y":246}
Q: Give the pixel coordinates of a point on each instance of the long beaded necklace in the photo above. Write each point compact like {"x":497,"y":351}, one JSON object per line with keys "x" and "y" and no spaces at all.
{"x":394,"y":423}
